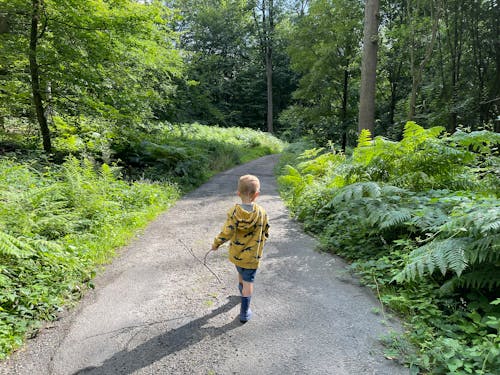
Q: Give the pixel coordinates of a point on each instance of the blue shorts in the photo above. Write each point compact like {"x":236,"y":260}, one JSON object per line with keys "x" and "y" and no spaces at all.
{"x":247,"y":274}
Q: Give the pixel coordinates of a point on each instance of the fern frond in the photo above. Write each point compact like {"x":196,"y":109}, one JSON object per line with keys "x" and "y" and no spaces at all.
{"x":492,"y":226}
{"x":365,"y":138}
{"x":486,"y":249}
{"x":484,"y":278}
{"x":396,"y":218}
{"x":357,"y":191}
{"x":293,"y":177}
{"x":479,"y":141}
{"x":414,"y":135}
{"x":447,"y":255}
{"x":310,"y":153}
{"x":15,"y":247}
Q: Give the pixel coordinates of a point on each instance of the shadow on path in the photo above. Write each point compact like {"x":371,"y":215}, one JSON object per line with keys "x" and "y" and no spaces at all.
{"x":126,"y":362}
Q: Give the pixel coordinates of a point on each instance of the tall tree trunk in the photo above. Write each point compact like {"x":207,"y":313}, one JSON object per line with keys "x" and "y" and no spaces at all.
{"x":35,"y":79}
{"x":455,"y":33}
{"x":495,"y":93}
{"x":394,"y":75}
{"x":4,"y":23}
{"x":474,"y":25}
{"x":269,"y":67}
{"x":344,"y":109}
{"x":418,"y":71}
{"x":369,"y":67}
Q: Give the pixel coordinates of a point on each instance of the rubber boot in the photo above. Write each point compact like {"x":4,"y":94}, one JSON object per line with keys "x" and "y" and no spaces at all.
{"x":245,"y":312}
{"x":240,"y":287}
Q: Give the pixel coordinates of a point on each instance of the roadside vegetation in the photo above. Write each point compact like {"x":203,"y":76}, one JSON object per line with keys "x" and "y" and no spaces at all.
{"x":97,"y":85}
{"x":419,"y":220}
{"x":60,"y":221}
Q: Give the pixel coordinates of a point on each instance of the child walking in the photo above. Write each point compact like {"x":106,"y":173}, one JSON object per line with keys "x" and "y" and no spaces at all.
{"x":247,"y":229}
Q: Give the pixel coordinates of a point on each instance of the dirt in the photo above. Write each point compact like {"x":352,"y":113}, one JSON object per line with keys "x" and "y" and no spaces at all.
{"x":157,"y":310}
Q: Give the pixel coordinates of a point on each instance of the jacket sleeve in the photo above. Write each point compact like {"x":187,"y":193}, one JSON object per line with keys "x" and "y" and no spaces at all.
{"x":227,"y":230}
{"x":266,"y":228}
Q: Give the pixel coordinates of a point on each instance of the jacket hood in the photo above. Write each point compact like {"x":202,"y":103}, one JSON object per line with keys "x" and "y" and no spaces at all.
{"x":248,"y":220}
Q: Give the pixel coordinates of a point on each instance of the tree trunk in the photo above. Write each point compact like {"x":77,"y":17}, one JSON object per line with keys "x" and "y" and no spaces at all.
{"x":369,"y":67}
{"x":269,"y":67}
{"x":495,"y":93}
{"x":4,"y":23}
{"x":269,"y":75}
{"x":35,"y":79}
{"x":344,"y":109}
{"x":418,"y":71}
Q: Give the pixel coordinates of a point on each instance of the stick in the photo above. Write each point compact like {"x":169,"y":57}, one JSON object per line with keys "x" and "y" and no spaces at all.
{"x":199,"y":260}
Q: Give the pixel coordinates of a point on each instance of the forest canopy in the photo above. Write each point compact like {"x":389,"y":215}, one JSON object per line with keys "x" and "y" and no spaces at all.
{"x":64,"y":64}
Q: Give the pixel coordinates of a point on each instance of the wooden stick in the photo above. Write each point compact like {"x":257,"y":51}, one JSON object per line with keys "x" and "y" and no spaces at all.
{"x":199,"y":260}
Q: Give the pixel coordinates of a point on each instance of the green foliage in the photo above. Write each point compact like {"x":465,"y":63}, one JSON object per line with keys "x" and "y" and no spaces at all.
{"x":323,"y":52}
{"x":470,"y":239}
{"x":420,"y":219}
{"x":114,"y":60}
{"x":59,"y":223}
{"x":225,"y":74}
{"x":190,"y":153}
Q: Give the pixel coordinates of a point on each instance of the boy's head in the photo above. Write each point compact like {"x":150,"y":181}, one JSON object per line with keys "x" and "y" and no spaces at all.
{"x":248,"y":187}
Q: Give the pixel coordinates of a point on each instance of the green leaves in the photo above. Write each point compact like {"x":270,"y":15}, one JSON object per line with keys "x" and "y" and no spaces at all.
{"x":114,"y":59}
{"x":420,"y":220}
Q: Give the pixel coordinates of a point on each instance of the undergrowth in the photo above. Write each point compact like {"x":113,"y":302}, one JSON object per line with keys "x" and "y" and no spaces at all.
{"x":60,"y":222}
{"x":420,"y":221}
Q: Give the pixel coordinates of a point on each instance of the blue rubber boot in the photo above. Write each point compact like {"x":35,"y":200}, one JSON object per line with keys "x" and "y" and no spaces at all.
{"x":240,"y":287}
{"x":245,"y":312}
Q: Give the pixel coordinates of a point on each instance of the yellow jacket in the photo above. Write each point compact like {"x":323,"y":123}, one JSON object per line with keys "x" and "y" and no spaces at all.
{"x":247,"y":232}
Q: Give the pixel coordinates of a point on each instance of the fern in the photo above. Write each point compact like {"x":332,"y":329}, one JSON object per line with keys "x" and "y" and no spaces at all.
{"x":357,"y":191}
{"x":414,"y":135}
{"x":445,"y":255}
{"x":485,"y":250}
{"x":396,"y":218}
{"x":479,"y":141}
{"x":485,"y":278}
{"x":449,"y":254}
{"x":15,"y":247}
{"x":470,"y":238}
{"x":365,"y":138}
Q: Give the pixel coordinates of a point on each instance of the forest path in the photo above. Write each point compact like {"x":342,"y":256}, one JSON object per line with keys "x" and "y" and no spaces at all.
{"x":157,"y":310}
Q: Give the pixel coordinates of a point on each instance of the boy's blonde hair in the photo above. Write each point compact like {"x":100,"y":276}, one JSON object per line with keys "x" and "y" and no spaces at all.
{"x":248,"y":185}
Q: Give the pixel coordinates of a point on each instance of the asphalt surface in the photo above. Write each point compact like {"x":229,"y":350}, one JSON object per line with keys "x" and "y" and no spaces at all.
{"x":158,"y":310}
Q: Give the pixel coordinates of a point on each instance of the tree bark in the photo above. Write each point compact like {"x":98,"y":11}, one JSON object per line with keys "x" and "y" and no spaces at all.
{"x":418,"y":71}
{"x":344,"y":109}
{"x":35,"y":78}
{"x":269,"y":67}
{"x":4,"y":23}
{"x":366,"y":118}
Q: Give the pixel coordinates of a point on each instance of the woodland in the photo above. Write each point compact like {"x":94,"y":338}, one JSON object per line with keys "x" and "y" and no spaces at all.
{"x":386,"y":114}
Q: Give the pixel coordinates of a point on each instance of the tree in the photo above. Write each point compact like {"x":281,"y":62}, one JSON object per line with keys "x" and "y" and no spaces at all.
{"x":217,"y":37}
{"x":415,"y":19}
{"x":35,"y":77}
{"x":369,"y":67}
{"x":264,"y":13}
{"x":323,"y":50}
{"x":105,"y":59}
{"x":228,"y":82}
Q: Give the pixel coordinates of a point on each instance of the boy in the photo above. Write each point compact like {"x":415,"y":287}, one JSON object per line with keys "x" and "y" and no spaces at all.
{"x":247,"y":229}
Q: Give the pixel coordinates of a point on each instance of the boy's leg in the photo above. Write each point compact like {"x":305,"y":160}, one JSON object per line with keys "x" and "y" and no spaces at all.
{"x":247,"y":276}
{"x":240,"y":283}
{"x":247,"y":289}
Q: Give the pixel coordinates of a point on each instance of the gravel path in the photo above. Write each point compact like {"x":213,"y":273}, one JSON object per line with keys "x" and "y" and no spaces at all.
{"x":157,"y":310}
